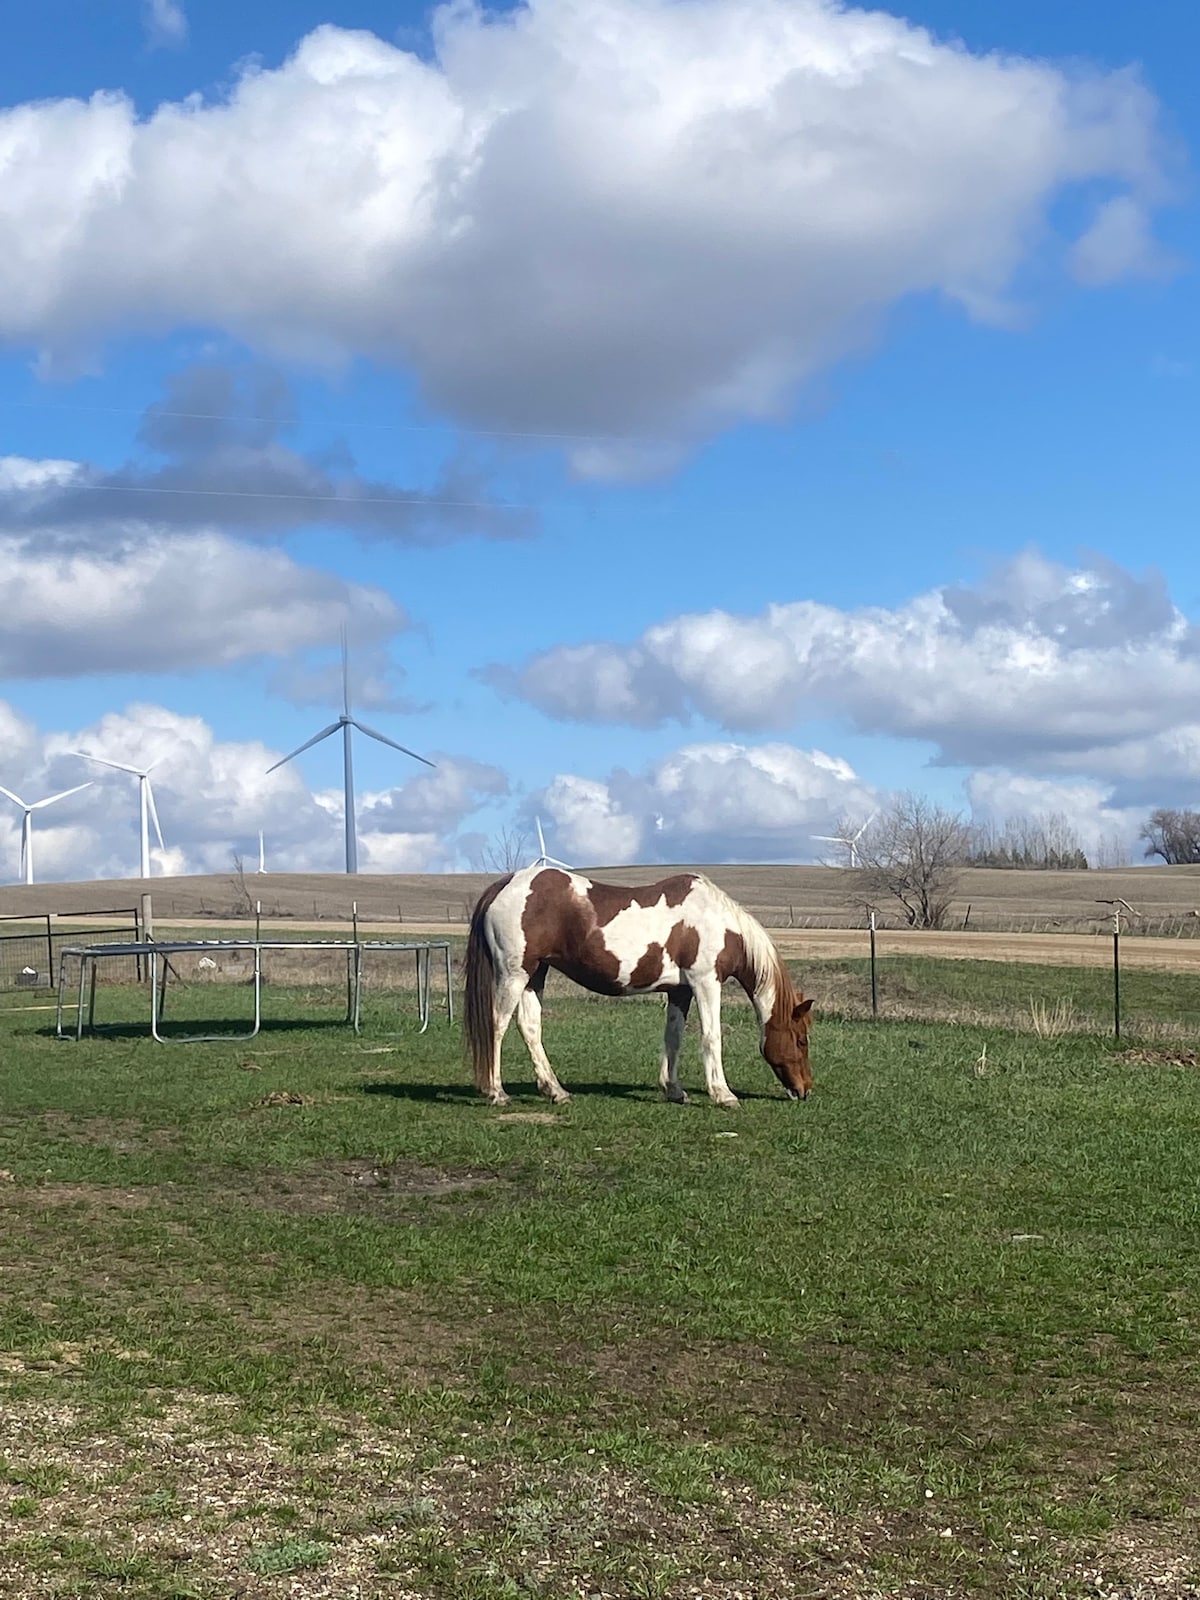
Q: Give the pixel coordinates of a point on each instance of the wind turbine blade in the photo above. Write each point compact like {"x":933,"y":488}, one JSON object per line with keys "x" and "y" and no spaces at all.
{"x":307,"y":745}
{"x":153,"y":810}
{"x":345,"y":672}
{"x":117,"y":766}
{"x":15,"y":798}
{"x":51,"y":798}
{"x":372,"y":733}
{"x":537,"y":822}
{"x":865,"y":826}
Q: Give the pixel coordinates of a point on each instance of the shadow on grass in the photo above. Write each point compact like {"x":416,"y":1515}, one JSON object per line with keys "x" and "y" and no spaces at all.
{"x":525,"y":1095}
{"x":228,"y":1030}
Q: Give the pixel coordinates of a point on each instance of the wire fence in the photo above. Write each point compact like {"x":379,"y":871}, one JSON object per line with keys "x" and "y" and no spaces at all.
{"x":1105,"y":981}
{"x":30,"y":945}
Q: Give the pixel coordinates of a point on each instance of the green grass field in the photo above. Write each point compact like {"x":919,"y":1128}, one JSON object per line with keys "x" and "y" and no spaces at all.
{"x":304,"y":1317}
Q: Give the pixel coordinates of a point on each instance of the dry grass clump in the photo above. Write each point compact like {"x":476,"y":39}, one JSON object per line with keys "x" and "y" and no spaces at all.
{"x":1052,"y":1021}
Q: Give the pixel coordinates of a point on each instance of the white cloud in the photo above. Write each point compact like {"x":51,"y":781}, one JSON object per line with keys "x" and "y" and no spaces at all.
{"x":1091,"y":670}
{"x":165,"y":22}
{"x":213,"y":797}
{"x":168,"y":602}
{"x":705,"y":802}
{"x":1118,"y":245}
{"x":641,"y":218}
{"x":589,"y":826}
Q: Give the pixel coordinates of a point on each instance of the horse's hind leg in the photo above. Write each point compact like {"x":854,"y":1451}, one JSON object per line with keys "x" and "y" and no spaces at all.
{"x":529,"y":1020}
{"x":678,"y":1001}
{"x":509,"y":989}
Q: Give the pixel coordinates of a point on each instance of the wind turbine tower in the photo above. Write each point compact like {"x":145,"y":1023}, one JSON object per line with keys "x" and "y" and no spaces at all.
{"x":29,"y":807}
{"x":147,"y":810}
{"x":346,"y":722}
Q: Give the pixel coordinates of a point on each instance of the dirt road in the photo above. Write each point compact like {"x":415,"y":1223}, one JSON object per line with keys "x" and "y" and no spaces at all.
{"x":1043,"y":949}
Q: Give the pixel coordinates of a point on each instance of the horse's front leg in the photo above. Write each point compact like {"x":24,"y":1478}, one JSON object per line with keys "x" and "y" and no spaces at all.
{"x":529,"y":1020}
{"x":678,"y":1001}
{"x":707,"y":994}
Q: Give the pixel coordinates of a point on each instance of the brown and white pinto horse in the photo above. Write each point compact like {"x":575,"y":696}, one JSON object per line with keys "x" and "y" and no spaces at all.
{"x":681,"y":937}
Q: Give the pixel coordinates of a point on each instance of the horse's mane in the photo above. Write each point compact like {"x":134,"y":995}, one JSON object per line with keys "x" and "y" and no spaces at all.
{"x":762,"y":958}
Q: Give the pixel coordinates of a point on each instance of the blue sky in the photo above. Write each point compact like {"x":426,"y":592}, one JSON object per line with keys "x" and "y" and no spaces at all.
{"x":802,"y":402}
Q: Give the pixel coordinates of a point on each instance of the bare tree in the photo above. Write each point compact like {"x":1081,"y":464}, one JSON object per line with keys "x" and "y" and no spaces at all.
{"x":1112,"y":850}
{"x":245,"y":900}
{"x":913,"y":851}
{"x":505,"y":851}
{"x":1173,"y":835}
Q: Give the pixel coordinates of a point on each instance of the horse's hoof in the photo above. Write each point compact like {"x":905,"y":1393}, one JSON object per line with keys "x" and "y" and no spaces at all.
{"x":679,"y":1098}
{"x":731,"y":1104}
{"x":561,"y":1098}
{"x":500,"y":1099}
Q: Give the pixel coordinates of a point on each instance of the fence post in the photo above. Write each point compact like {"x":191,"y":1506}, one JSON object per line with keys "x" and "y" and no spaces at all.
{"x":874,"y":973}
{"x":1117,"y":905}
{"x":49,"y":950}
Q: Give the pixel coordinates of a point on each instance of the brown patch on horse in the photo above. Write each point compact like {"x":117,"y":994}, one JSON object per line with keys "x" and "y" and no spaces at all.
{"x":683,"y":945}
{"x":610,"y":899}
{"x":648,"y":970}
{"x":731,"y":963}
{"x":560,"y":928}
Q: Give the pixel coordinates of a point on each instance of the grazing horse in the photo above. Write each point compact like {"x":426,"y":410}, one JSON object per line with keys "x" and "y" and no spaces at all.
{"x":681,"y":937}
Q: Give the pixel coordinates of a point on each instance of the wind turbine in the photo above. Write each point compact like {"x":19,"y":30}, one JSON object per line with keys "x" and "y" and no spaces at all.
{"x":850,"y":842}
{"x":345,"y":722}
{"x":543,"y":859}
{"x":27,"y":822}
{"x":146,"y":807}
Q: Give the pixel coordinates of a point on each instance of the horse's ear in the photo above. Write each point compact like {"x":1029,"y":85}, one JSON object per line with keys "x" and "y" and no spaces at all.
{"x":801,"y":1009}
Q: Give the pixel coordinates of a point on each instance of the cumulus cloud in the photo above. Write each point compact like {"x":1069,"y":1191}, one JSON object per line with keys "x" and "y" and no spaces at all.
{"x":1090,"y":670}
{"x":642,"y":219}
{"x":213,"y":797}
{"x":169,"y":603}
{"x":705,"y":802}
{"x":213,"y":453}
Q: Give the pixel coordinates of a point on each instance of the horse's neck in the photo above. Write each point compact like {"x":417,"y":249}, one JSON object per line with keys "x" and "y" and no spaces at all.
{"x":769,"y":990}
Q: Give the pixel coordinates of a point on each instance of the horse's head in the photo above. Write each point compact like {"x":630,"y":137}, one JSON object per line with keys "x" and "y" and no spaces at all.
{"x":785,"y":1046}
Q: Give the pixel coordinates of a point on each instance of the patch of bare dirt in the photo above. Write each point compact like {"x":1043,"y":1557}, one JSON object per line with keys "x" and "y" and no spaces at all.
{"x":125,"y":1135}
{"x":95,"y":1196}
{"x":1146,"y":1057}
{"x":358,"y":1186}
{"x":203,"y":1500}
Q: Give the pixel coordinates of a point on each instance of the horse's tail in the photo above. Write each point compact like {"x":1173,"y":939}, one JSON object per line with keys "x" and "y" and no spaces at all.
{"x":479,"y":1015}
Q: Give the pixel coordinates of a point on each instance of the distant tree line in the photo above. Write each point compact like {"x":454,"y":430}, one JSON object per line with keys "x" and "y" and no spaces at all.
{"x":1044,"y":843}
{"x":912,"y":851}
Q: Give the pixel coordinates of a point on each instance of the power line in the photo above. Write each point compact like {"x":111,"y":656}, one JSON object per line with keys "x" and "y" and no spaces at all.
{"x":428,"y":501}
{"x":399,"y":427}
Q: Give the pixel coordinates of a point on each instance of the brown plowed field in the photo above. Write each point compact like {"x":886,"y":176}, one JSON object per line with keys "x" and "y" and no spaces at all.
{"x":1052,"y":917}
